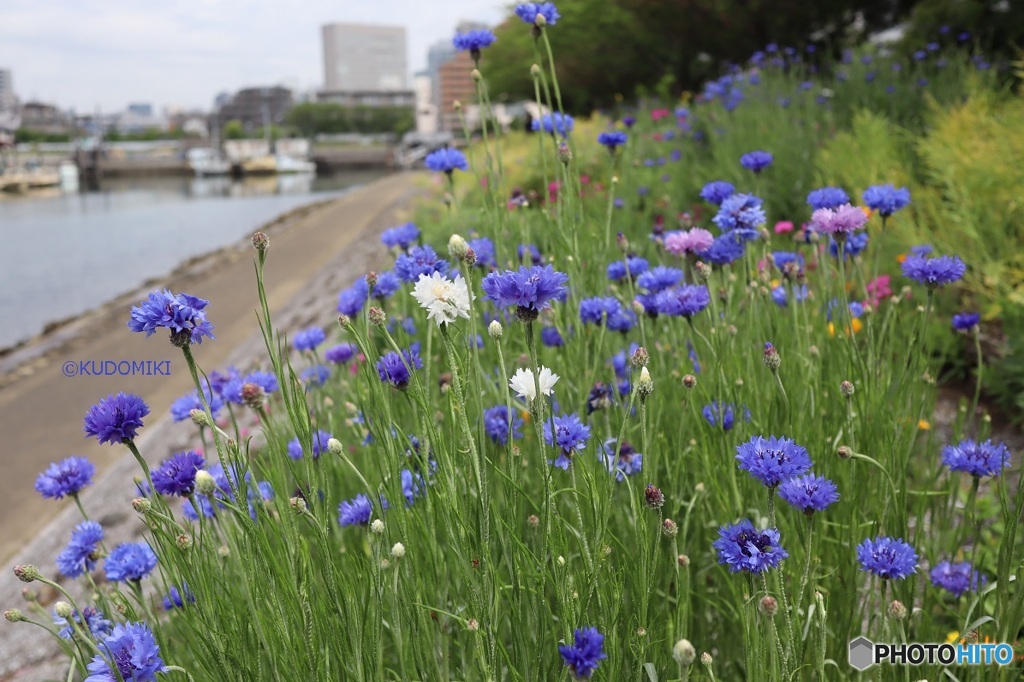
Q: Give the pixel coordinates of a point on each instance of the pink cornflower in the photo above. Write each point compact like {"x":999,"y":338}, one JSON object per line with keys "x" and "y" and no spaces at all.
{"x":783,"y":226}
{"x":658,"y":114}
{"x":840,"y":221}
{"x":878,"y":289}
{"x":695,"y":240}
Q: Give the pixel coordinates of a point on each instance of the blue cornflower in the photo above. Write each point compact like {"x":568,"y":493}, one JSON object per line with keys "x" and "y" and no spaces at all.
{"x":756,"y":161}
{"x":809,"y":493}
{"x":96,"y":623}
{"x":116,"y":418}
{"x":320,"y":438}
{"x":741,"y":547}
{"x":351,"y":300}
{"x":629,"y":121}
{"x":496,"y":424}
{"x":886,"y":199}
{"x":562,"y":124}
{"x":182,"y":314}
{"x":621,"y":320}
{"x":586,"y":651}
{"x":569,"y":434}
{"x":612,"y":140}
{"x":551,"y":337}
{"x":717,"y":191}
{"x":922,"y":249}
{"x":66,"y":477}
{"x":659,"y":278}
{"x":977,"y":459}
{"x":965,"y":321}
{"x":132,"y":651}
{"x":309,"y":339}
{"x":177,"y":474}
{"x":182,"y":408}
{"x":724,"y":250}
{"x":785,"y":258}
{"x":317,"y":375}
{"x":446,"y":160}
{"x":593,"y":310}
{"x":827,"y":197}
{"x":632,"y":267}
{"x":956,"y":578}
{"x":887,"y":558}
{"x":177,"y":599}
{"x":265,"y":380}
{"x":474,"y":41}
{"x":355,"y":512}
{"x":531,"y":250}
{"x":854,"y":245}
{"x":722,"y":414}
{"x":741,"y":215}
{"x":683,"y":301}
{"x":342,"y":353}
{"x":529,"y":12}
{"x":386,"y":286}
{"x":780,"y":297}
{"x":528,"y":289}
{"x":80,"y":554}
{"x":600,"y":397}
{"x":772,"y":460}
{"x":934,"y":272}
{"x":129,"y":561}
{"x":628,"y":462}
{"x":395,"y":368}
{"x":420,"y":260}
{"x":483,"y":247}
{"x":620,"y":361}
{"x":402,"y":236}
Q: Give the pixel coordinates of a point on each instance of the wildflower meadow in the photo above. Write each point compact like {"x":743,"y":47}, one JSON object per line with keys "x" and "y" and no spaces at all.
{"x":637,"y":399}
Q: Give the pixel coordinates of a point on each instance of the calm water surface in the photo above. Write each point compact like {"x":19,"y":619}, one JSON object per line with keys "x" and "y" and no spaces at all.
{"x":62,"y":254}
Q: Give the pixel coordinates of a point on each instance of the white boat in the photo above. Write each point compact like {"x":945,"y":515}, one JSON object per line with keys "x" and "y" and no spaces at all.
{"x":206,"y":161}
{"x":291,"y":164}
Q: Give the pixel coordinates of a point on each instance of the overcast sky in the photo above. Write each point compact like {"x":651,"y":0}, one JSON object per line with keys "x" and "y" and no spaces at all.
{"x":106,"y":53}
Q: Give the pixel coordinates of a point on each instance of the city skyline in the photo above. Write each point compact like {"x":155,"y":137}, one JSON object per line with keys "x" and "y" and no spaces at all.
{"x":182,"y":53}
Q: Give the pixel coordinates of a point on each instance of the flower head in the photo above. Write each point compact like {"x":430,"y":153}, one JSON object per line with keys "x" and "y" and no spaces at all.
{"x":309,"y":339}
{"x":522,"y":382}
{"x":355,"y":512}
{"x":632,"y":267}
{"x":628,"y":461}
{"x":130,"y":561}
{"x":612,"y":140}
{"x":527,"y":289}
{"x":683,"y":301}
{"x":809,"y":493}
{"x":741,"y":547}
{"x":116,"y":418}
{"x":956,"y":578}
{"x":341,"y":353}
{"x":320,"y":438}
{"x":976,"y":459}
{"x":529,"y":12}
{"x":756,"y":161}
{"x":401,"y":237}
{"x":80,"y":554}
{"x":446,"y":160}
{"x":66,"y":477}
{"x":717,"y":191}
{"x":965,"y":321}
{"x":659,"y":278}
{"x":420,"y":260}
{"x":725,"y":249}
{"x":586,"y":651}
{"x":473,"y":41}
{"x":772,"y":460}
{"x":593,"y":310}
{"x":934,"y":272}
{"x":444,"y":300}
{"x":887,"y":558}
{"x":182,"y":408}
{"x":181,"y":314}
{"x":499,"y":421}
{"x":853,"y":246}
{"x":396,"y":369}
{"x":827,"y":197}
{"x":556,"y":123}
{"x":740,"y":214}
{"x":551,"y":337}
{"x":721,"y":414}
{"x":569,"y":435}
{"x":840,"y":221}
{"x":91,"y":618}
{"x":351,"y":300}
{"x":886,"y":199}
{"x":177,"y":474}
{"x":696,"y":240}
{"x":177,"y":599}
{"x":131,"y":651}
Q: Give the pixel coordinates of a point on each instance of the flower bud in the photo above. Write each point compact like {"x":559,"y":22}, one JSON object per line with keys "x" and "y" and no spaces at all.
{"x":14,"y":615}
{"x":205,"y":483}
{"x":29,"y":595}
{"x":184,"y":541}
{"x":564,"y":154}
{"x":377,"y":527}
{"x":532,"y":520}
{"x":253,"y":396}
{"x":334,"y":446}
{"x":640,"y":357}
{"x":472,"y":625}
{"x":683,"y":561}
{"x":540,"y":20}
{"x":260,"y":241}
{"x":684,"y":653}
{"x":477,"y":76}
{"x":702,"y":271}
{"x":456,"y":105}
{"x":535,"y":71}
{"x":846,"y":388}
{"x":298,"y":504}
{"x":142,"y":505}
{"x":27,"y":573}
{"x":63,"y":609}
{"x":644,"y":384}
{"x":844,"y":452}
{"x":768,"y":606}
{"x":199,"y":417}
{"x":896,"y":610}
{"x":560,"y":560}
{"x":470,"y":257}
{"x":669,"y":528}
{"x":371,"y":279}
{"x":495,"y":329}
{"x":653,"y":496}
{"x":344,"y":321}
{"x":377,"y":316}
{"x":771,"y":357}
{"x":457,"y":247}
{"x":638,"y":308}
{"x":398,"y":550}
{"x":689,"y":381}
{"x":223,"y":551}
{"x":813,"y":351}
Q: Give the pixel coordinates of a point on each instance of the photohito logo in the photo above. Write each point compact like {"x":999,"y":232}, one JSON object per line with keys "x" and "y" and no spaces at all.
{"x":864,"y":653}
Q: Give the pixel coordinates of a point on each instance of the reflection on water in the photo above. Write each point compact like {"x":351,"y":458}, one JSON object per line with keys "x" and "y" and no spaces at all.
{"x":63,"y":254}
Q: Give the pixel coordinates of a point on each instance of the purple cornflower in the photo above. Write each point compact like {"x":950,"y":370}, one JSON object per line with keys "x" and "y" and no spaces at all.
{"x":317,"y":375}
{"x":395,"y":368}
{"x":308,"y":339}
{"x":887,"y":558}
{"x":342,"y":353}
{"x":351,"y":300}
{"x":934,"y":272}
{"x":682,"y":301}
{"x":965,"y":321}
{"x":66,"y":477}
{"x":695,"y":240}
{"x":628,"y":462}
{"x":320,"y":439}
{"x":80,"y":554}
{"x":528,"y":289}
{"x":177,"y":474}
{"x":886,"y":199}
{"x":529,"y":12}
{"x":551,"y":338}
{"x":717,"y":191}
{"x":593,"y":310}
{"x":177,"y":599}
{"x":496,"y":424}
{"x":772,"y":460}
{"x":922,"y":249}
{"x":809,"y":493}
{"x":756,"y":161}
{"x":853,"y":246}
{"x":420,"y":260}
{"x":956,"y":578}
{"x":600,"y":397}
{"x":386,"y":286}
{"x":586,"y":651}
{"x":659,"y":278}
{"x":632,"y":267}
{"x":562,"y":124}
{"x":483,"y":247}
{"x":182,"y":408}
{"x":95,"y":623}
{"x":827,"y":197}
{"x":569,"y":435}
{"x":724,"y":250}
{"x":355,"y":512}
{"x":182,"y":314}
{"x":116,"y":418}
{"x":129,"y":561}
{"x":233,"y":389}
{"x":741,"y":547}
{"x":531,"y":250}
{"x":722,"y":414}
{"x":740,"y":215}
{"x":401,"y":237}
{"x":621,"y":320}
{"x":840,"y":222}
{"x":474,"y":41}
{"x":446,"y":160}
{"x":612,"y":140}
{"x":976,"y":459}
{"x":132,"y":651}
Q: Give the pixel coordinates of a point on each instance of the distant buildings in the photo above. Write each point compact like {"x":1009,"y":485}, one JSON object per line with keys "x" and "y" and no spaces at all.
{"x":44,"y":118}
{"x":8,"y":101}
{"x":365,"y":65}
{"x":139,"y":117}
{"x":454,"y":84}
{"x":256,"y":107}
{"x":426,"y":110}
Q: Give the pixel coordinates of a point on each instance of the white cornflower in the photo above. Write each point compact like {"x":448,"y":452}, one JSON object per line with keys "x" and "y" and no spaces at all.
{"x":523,"y":384}
{"x":398,"y":551}
{"x":444,"y":300}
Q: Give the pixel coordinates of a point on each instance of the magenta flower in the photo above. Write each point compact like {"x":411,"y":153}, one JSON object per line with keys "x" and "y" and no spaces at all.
{"x":696,"y":240}
{"x":839,"y":221}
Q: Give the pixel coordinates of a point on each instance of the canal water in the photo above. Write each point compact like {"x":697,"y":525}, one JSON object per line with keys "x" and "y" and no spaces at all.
{"x":62,"y":254}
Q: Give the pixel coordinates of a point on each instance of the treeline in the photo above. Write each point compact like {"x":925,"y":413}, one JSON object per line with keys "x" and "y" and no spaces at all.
{"x":313,"y":118}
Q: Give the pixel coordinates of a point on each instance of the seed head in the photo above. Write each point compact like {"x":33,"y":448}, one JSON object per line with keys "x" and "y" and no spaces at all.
{"x":689,"y":381}
{"x":532,"y":520}
{"x":223,"y":551}
{"x":472,"y":625}
{"x":377,"y":527}
{"x":684,"y":653}
{"x":768,"y":606}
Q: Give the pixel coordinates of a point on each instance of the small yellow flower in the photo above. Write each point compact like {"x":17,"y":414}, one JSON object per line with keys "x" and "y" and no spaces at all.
{"x":831,"y":329}
{"x":924,"y":425}
{"x":901,"y":257}
{"x":525,"y":414}
{"x":952,"y":637}
{"x":775,"y":283}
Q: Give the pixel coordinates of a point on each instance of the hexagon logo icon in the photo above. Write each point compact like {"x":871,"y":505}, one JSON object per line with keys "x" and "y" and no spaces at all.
{"x":862,"y":653}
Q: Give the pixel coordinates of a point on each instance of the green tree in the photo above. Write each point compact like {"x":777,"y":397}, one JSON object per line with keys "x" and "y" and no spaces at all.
{"x":234,"y":130}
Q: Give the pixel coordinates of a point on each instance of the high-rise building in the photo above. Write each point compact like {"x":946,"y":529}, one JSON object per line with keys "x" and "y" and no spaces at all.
{"x":365,"y":65}
{"x":7,"y":99}
{"x":454,"y":84}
